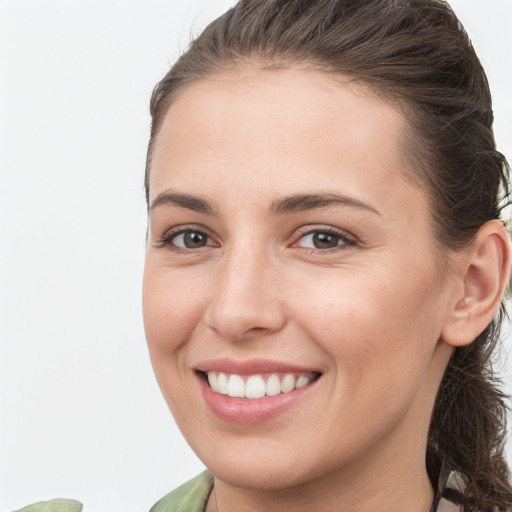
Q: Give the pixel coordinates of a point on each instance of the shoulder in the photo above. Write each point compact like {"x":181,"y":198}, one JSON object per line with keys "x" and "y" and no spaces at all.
{"x":190,"y":497}
{"x":54,"y":506}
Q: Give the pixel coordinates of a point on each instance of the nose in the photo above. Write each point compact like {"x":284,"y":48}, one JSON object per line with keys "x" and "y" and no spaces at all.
{"x":246,"y":301}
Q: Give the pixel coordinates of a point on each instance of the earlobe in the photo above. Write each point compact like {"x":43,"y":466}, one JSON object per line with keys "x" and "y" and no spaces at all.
{"x":484,"y":271}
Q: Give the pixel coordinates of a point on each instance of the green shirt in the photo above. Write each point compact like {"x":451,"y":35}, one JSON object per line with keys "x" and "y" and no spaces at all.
{"x":193,"y":497}
{"x":190,"y":497}
{"x":54,"y":506}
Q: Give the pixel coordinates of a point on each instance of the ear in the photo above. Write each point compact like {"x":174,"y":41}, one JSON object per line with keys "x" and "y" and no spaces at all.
{"x":482,"y":275}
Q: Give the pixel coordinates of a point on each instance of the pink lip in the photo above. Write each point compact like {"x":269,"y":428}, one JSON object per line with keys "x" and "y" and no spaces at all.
{"x":250,"y":367}
{"x":244,"y":411}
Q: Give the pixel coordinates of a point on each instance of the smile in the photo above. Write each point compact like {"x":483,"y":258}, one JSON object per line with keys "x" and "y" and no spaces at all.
{"x":253,"y":391}
{"x":253,"y":387}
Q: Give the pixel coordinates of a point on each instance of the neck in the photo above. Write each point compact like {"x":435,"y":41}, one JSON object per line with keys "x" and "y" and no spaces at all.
{"x":391,"y":488}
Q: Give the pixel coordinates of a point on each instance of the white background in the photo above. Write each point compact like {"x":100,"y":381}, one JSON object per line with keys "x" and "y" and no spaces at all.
{"x":80,"y":413}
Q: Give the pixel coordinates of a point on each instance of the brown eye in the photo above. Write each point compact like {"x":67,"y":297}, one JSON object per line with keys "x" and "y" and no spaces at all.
{"x":190,"y":239}
{"x":325,"y":240}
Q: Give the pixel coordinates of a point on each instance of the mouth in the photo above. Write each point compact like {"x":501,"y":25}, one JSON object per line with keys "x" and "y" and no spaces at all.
{"x":254,"y":391}
{"x":257,"y":386}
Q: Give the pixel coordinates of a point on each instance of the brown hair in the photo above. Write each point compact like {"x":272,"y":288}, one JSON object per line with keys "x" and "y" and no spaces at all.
{"x":416,"y":54}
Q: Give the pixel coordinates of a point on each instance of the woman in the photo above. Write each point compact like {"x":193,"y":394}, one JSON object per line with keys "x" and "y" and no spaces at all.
{"x":326,"y":261}
{"x":324,"y":254}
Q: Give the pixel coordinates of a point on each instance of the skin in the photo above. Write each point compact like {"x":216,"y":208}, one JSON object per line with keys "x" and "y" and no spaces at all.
{"x":369,"y":313}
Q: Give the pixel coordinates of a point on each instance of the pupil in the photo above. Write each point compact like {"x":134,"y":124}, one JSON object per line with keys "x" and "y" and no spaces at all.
{"x":194,"y":240}
{"x":325,"y":240}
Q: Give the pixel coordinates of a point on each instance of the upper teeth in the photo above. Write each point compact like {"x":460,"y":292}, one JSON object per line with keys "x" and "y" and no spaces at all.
{"x":255,"y":386}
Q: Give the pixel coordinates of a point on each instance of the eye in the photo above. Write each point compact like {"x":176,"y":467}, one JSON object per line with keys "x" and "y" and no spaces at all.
{"x":190,"y":239}
{"x":324,"y":239}
{"x":186,"y":239}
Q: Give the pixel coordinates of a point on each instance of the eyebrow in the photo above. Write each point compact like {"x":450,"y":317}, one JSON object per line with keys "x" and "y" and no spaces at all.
{"x":303,"y":202}
{"x":281,"y":206}
{"x":170,"y":197}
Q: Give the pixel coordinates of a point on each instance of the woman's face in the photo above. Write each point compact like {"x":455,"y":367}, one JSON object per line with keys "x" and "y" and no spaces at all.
{"x":292,"y":263}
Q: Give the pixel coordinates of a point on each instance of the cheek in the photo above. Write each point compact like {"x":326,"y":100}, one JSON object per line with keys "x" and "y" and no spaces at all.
{"x":374,"y":326}
{"x":171,"y":310}
{"x":380,"y":340}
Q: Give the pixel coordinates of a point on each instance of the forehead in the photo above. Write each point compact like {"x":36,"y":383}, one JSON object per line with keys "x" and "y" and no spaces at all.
{"x":262,"y":127}
{"x":289,"y":103}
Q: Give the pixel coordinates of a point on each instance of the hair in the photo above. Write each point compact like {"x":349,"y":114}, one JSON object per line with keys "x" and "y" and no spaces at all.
{"x":417,"y":55}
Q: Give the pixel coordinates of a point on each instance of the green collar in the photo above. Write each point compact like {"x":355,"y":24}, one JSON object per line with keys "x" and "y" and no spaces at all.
{"x":190,"y":497}
{"x":193,"y":496}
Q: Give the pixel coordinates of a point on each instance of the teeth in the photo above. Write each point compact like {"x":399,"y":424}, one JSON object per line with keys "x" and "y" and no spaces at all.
{"x":236,"y":387}
{"x":213,"y":380}
{"x":301,"y":382}
{"x":273,"y":386}
{"x":288,"y":383}
{"x":223,"y":384}
{"x":255,"y":387}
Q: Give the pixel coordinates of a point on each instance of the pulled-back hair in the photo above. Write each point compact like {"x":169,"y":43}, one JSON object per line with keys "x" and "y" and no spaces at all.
{"x":415,"y":54}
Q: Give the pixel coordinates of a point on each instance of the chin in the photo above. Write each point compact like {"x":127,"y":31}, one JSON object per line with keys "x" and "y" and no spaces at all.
{"x":260,"y":475}
{"x":264,"y":464}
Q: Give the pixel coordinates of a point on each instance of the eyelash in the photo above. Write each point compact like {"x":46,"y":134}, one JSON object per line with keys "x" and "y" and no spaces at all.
{"x":345,"y":239}
{"x":167,"y":240}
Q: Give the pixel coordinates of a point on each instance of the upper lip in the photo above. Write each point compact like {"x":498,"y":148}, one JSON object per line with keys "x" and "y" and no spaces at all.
{"x":250,"y":367}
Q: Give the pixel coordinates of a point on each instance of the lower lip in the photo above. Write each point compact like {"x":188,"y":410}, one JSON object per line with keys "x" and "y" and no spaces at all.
{"x":246,"y":412}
